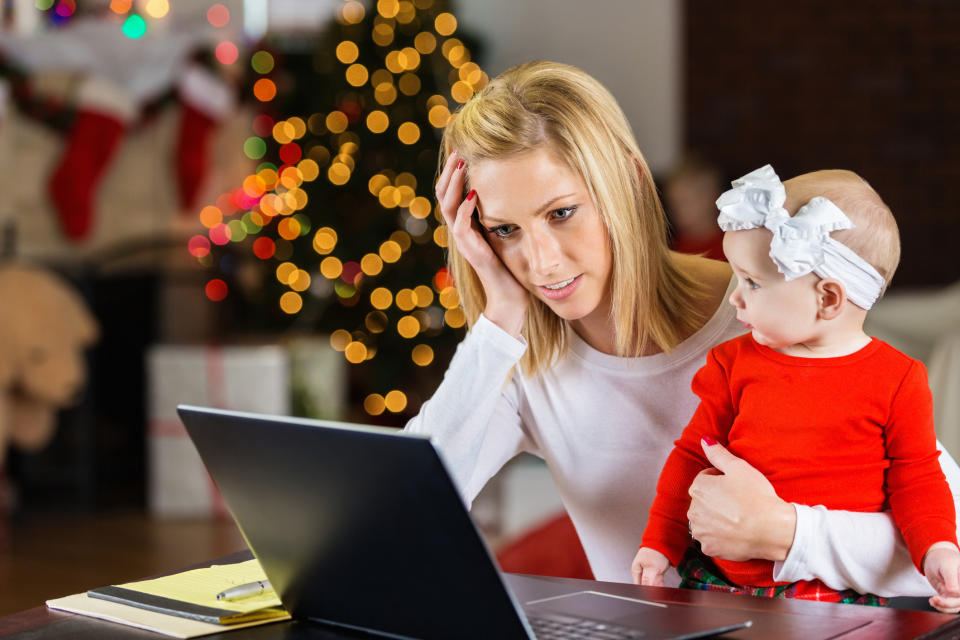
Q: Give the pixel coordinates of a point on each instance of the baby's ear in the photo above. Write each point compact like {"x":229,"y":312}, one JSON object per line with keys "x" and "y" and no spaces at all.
{"x":831,"y":298}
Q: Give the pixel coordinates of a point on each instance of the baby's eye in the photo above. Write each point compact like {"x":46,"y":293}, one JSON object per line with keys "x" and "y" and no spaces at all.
{"x":752,"y":283}
{"x":563,"y":213}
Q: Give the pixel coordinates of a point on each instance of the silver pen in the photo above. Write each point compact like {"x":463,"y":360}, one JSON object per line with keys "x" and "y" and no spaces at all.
{"x":245,"y":590}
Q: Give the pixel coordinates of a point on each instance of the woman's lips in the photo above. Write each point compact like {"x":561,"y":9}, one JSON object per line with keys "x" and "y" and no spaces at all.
{"x":562,"y":292}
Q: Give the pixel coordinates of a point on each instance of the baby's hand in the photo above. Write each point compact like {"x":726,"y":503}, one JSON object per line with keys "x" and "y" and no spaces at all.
{"x":941,"y":566}
{"x":648,"y":567}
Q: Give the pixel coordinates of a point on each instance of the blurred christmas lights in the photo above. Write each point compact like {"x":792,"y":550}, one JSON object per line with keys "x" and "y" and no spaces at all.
{"x":272,"y":197}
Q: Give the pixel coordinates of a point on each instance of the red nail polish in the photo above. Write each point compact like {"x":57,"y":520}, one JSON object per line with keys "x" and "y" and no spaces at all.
{"x":709,"y":441}
{"x":460,"y":164}
{"x":472,"y":193}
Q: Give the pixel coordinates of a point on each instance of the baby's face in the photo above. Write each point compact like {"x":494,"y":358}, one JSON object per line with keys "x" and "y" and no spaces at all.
{"x":779,"y":313}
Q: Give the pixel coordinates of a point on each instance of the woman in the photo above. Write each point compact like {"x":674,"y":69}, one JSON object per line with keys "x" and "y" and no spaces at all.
{"x":560,"y":257}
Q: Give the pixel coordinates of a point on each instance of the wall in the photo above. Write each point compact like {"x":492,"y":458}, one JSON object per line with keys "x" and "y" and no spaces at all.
{"x":631,"y":46}
{"x":859,"y":85}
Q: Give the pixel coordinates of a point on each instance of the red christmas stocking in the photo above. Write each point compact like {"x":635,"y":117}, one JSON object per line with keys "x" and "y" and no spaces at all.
{"x":103,"y":112}
{"x":207,"y":99}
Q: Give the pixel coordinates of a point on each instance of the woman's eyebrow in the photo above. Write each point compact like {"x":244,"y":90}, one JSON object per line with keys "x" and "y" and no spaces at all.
{"x":546,"y":205}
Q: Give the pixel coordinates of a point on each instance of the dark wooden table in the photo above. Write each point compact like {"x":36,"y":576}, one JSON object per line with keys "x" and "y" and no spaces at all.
{"x":772,"y":618}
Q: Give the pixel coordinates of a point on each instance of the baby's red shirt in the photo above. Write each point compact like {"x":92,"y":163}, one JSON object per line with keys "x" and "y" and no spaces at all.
{"x":850,"y":433}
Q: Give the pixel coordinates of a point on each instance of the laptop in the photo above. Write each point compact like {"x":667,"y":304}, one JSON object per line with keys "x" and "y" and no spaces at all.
{"x":362,"y":528}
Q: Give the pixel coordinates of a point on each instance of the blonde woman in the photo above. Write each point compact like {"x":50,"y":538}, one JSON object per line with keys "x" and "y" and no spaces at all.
{"x":585,"y":334}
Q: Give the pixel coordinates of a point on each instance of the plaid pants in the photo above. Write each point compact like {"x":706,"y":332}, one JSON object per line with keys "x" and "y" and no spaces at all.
{"x":698,"y":571}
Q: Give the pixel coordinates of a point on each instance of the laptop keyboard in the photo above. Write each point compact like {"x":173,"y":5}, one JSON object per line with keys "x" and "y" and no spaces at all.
{"x":550,"y":626}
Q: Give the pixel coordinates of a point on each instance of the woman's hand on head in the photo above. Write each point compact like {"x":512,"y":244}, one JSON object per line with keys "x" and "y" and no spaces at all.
{"x":735,"y":514}
{"x":507,"y":300}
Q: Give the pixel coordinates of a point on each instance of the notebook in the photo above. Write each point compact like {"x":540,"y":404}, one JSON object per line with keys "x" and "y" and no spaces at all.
{"x":361,"y":527}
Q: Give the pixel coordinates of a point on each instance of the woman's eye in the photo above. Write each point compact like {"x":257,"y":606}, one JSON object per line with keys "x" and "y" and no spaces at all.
{"x":563,"y":213}
{"x":501,"y":231}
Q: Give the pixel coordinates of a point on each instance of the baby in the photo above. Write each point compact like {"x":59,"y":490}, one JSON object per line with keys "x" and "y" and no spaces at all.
{"x":828,"y":414}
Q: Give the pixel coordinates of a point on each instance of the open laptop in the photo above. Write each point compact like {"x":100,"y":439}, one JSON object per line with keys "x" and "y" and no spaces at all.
{"x":362,"y":528}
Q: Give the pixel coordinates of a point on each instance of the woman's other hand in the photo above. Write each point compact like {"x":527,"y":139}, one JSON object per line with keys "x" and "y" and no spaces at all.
{"x":734,"y":512}
{"x":941,"y":566}
{"x":506,"y":299}
{"x":648,"y":567}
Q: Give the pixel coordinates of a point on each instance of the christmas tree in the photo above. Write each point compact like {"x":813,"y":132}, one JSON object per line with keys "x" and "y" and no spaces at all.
{"x":336,"y":231}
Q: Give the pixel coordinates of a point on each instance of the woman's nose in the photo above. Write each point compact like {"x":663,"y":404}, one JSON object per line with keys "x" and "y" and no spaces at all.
{"x":543,"y":252}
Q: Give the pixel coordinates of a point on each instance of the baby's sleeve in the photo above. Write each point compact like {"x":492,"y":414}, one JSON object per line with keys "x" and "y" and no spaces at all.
{"x":667,"y":527}
{"x":917,"y":489}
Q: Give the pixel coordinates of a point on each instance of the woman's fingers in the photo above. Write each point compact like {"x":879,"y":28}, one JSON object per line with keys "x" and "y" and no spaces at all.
{"x":444,"y":180}
{"x":453,"y":194}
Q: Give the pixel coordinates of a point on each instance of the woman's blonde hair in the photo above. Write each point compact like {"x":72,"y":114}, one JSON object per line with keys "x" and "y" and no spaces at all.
{"x":549,"y":105}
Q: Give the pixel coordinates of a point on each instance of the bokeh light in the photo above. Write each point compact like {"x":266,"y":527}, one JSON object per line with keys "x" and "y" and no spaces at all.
{"x":324,"y":240}
{"x":262,"y":62}
{"x":347,"y":52}
{"x":423,"y":295}
{"x":408,"y":132}
{"x":406,"y":299}
{"x":264,"y":248}
{"x":291,"y":153}
{"x":264,"y":90}
{"x":396,"y":401}
{"x":455,"y":318}
{"x":254,"y":147}
{"x":227,"y":52}
{"x":440,"y":236}
{"x":216,"y":290}
{"x":442,"y":280}
{"x":291,"y":302}
{"x":331,"y":267}
{"x":425,"y":42}
{"x":218,"y":15}
{"x":422,"y":355}
{"x":390,"y":251}
{"x":408,"y":326}
{"x":157,"y":8}
{"x":381,"y":298}
{"x":263,"y":125}
{"x":210,"y":216}
{"x":134,"y":27}
{"x":220,"y":234}
{"x":356,"y":75}
{"x":355,"y":352}
{"x":66,"y":8}
{"x":339,"y":339}
{"x":374,"y":404}
{"x":371,"y":264}
{"x":352,"y":12}
{"x":199,"y":246}
{"x":445,"y":24}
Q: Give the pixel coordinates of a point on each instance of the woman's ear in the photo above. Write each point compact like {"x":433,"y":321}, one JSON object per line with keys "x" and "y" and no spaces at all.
{"x":831,"y":298}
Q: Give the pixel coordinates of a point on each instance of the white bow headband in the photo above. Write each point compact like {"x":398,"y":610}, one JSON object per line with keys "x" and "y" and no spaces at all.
{"x":801,"y":244}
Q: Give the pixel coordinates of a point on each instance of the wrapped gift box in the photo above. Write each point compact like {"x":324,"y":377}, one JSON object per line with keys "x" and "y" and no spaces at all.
{"x":241,"y":378}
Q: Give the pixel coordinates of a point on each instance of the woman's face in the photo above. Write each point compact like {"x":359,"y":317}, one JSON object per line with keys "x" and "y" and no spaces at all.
{"x":538,"y":217}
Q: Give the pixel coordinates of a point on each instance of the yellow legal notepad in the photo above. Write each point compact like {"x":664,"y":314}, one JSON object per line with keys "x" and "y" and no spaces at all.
{"x":190,"y":594}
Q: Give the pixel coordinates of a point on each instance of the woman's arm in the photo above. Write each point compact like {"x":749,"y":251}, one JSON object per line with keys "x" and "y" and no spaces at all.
{"x":862,"y":551}
{"x":472,"y":418}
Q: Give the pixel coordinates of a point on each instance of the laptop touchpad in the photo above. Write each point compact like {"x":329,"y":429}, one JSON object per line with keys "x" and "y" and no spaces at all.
{"x":659,"y":620}
{"x":593,"y":604}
